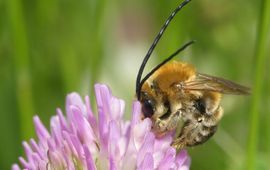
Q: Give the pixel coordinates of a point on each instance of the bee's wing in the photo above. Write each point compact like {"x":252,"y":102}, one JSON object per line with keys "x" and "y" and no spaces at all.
{"x":210,"y":83}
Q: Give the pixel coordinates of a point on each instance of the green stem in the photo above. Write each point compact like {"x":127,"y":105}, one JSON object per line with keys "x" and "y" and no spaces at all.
{"x":263,"y":28}
{"x":21,"y":63}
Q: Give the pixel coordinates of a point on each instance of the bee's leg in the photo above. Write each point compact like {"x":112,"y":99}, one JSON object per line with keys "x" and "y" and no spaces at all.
{"x":186,"y":136}
{"x":181,"y":141}
{"x":192,"y":135}
{"x":179,"y":144}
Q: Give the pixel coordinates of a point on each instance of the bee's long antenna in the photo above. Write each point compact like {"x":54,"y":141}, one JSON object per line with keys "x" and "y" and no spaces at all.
{"x":163,"y":28}
{"x":166,"y":60}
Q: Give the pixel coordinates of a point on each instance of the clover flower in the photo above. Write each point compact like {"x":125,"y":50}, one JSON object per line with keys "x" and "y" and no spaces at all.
{"x":81,"y":141}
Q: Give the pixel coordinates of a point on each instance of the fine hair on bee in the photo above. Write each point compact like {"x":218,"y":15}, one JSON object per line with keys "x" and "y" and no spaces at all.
{"x":173,"y":94}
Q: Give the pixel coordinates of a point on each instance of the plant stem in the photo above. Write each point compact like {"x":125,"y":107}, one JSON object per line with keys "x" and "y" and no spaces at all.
{"x":21,"y":63}
{"x":260,"y":59}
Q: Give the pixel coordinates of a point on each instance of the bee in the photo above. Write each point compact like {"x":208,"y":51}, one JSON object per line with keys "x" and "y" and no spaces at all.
{"x":174,"y":94}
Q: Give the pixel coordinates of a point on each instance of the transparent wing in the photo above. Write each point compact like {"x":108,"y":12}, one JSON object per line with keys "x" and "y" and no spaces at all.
{"x":210,"y":83}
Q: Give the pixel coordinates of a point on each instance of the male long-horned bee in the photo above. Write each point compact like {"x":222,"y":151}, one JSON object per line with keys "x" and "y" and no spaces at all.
{"x":174,"y":93}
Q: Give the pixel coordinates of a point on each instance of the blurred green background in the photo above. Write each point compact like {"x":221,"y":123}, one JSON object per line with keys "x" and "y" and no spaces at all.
{"x":49,"y":48}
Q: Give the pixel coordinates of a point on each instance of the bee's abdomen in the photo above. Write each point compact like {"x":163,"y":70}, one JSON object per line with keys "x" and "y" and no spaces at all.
{"x":201,"y":135}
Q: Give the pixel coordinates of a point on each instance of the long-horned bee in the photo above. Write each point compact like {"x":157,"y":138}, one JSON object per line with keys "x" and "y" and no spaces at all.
{"x":174,"y":93}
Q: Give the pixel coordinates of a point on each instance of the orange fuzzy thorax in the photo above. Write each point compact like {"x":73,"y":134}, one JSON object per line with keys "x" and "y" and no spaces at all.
{"x":169,"y":74}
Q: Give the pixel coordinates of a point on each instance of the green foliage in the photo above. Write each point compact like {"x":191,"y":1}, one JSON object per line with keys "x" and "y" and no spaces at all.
{"x":49,"y":48}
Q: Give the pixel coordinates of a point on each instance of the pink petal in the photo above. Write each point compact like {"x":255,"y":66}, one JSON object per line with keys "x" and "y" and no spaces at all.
{"x":148,"y":162}
{"x":15,"y":167}
{"x":75,"y":100}
{"x":84,"y":130}
{"x":41,"y":132}
{"x":89,"y":160}
{"x":112,"y":165}
{"x":140,"y":131}
{"x":168,"y":159}
{"x":36,"y":148}
{"x":62,"y":120}
{"x":56,"y":130}
{"x":67,"y":139}
{"x":114,"y":136}
{"x":28,"y":152}
{"x":116,"y":108}
{"x":90,"y":116}
{"x":183,"y":160}
{"x":24,"y":163}
{"x":147,"y":147}
{"x":136,"y":113}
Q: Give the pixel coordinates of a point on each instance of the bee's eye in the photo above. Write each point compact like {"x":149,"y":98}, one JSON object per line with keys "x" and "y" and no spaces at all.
{"x":148,"y":108}
{"x":200,"y":105}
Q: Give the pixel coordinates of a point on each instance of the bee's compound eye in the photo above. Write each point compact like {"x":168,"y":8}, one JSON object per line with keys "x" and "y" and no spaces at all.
{"x":148,"y":108}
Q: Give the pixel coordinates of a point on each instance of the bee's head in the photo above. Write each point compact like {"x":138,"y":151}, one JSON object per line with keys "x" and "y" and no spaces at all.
{"x":158,"y":109}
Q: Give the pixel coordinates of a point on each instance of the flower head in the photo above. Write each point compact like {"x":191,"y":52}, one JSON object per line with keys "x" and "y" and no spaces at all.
{"x":81,"y":141}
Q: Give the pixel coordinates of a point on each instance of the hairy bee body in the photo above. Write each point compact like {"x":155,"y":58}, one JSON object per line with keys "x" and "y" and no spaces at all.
{"x":177,"y":95}
{"x":174,"y":94}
